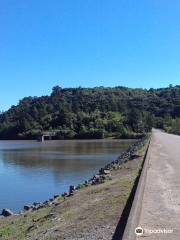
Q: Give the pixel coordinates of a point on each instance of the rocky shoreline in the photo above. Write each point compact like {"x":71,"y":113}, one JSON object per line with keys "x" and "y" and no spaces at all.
{"x":103,"y":175}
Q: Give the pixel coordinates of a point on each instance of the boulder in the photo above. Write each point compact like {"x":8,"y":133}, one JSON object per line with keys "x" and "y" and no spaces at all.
{"x":6,"y":212}
{"x":101,"y":171}
{"x":71,"y":189}
{"x":65,"y":194}
{"x":56,"y":196}
{"x":27,"y":207}
{"x":40,"y":206}
{"x":86,"y":183}
{"x":36,"y":203}
{"x":35,"y":208}
{"x":106,"y":171}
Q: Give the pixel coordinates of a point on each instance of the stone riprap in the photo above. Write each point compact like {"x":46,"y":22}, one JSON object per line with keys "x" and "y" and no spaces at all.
{"x":104,"y":174}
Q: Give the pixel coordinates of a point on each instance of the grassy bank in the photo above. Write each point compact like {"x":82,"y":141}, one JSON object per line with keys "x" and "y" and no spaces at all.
{"x":93,"y":212}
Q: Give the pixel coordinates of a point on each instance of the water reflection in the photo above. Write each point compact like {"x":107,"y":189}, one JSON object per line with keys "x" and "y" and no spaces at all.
{"x":34,"y":171}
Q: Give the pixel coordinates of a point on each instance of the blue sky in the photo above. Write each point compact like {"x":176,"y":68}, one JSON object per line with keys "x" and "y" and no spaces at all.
{"x":86,"y":43}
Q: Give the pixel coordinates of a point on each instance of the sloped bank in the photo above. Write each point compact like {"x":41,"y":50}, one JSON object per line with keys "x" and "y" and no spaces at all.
{"x":104,"y":174}
{"x":90,"y":209}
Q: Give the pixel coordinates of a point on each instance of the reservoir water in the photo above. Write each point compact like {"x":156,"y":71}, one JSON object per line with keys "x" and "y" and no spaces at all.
{"x":31,"y":171}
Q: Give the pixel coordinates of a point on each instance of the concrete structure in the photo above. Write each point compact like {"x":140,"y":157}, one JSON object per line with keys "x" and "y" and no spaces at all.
{"x":156,"y":206}
{"x":46,"y":135}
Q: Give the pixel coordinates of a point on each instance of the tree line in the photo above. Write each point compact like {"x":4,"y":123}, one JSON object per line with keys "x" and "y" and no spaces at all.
{"x":93,"y":113}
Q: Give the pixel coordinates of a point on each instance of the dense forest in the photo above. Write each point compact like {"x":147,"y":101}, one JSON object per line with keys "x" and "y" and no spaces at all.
{"x":93,"y":113}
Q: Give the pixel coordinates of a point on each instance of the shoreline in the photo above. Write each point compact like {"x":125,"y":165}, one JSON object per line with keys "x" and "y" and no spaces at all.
{"x":91,"y":213}
{"x":103,"y":175}
{"x":75,"y":139}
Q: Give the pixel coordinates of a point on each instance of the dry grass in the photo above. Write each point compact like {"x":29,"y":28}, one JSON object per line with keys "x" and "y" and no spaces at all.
{"x":92,"y":213}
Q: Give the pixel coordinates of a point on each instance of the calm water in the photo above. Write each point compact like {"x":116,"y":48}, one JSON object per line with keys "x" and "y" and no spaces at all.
{"x":32,"y":171}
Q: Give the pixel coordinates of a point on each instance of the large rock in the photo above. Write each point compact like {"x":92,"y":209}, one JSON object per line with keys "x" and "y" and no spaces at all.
{"x":106,"y":171}
{"x":27,"y":207}
{"x":7,"y":212}
{"x":71,"y":190}
{"x":36,"y":203}
{"x":56,"y":196}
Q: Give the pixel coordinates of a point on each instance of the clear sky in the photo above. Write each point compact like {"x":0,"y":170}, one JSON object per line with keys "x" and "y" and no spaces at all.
{"x":86,"y":43}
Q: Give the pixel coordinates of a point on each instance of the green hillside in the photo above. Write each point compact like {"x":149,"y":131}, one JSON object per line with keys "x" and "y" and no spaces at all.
{"x":93,"y":113}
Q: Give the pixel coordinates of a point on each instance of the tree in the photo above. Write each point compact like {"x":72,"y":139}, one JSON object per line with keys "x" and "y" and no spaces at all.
{"x":115,"y":111}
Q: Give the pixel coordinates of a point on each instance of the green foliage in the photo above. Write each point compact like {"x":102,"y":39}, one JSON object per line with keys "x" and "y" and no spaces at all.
{"x":80,"y":186}
{"x":65,"y":134}
{"x":93,"y":113}
{"x":172,"y":125}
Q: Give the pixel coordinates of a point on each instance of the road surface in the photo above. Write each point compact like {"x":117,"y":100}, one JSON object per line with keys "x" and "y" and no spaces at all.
{"x":160,"y":211}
